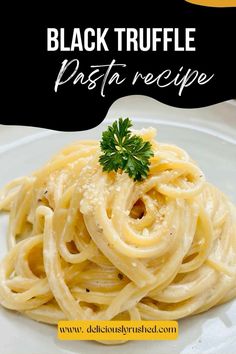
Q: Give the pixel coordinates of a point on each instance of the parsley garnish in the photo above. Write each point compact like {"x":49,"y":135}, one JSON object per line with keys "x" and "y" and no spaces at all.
{"x":125,"y":151}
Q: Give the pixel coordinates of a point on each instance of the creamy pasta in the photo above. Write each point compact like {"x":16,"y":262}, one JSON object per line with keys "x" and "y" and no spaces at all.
{"x":85,"y":244}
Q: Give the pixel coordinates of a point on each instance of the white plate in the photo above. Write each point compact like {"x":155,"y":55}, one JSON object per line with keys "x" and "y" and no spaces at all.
{"x":211,"y":332}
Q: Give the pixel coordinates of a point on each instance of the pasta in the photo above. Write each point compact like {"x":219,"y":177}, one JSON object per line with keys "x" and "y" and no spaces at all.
{"x":85,"y":244}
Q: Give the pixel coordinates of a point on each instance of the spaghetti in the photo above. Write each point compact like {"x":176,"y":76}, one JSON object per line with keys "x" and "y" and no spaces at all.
{"x":84,"y":244}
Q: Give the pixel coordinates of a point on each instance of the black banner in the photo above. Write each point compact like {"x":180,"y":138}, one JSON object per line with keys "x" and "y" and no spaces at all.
{"x":62,"y":70}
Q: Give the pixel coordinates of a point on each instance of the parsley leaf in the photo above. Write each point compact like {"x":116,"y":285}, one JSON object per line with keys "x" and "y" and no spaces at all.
{"x":123,"y":150}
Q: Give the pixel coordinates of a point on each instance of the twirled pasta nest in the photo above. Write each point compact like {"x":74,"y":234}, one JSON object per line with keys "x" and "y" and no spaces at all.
{"x":84,"y":244}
